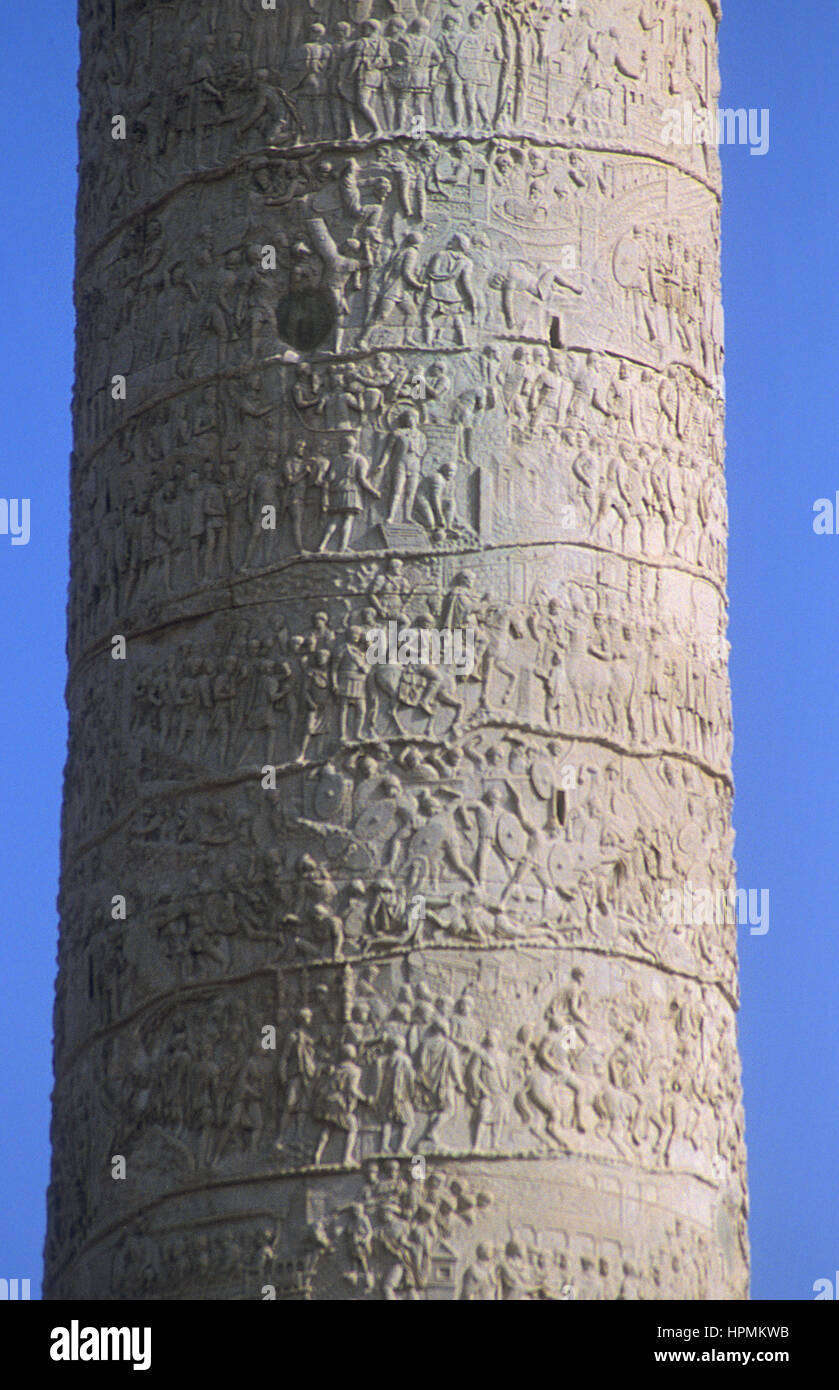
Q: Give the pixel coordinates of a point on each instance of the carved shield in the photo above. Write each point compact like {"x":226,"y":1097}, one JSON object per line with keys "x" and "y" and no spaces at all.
{"x":542,"y":777}
{"x":427,"y":840}
{"x":412,"y":686}
{"x":377,"y":822}
{"x":557,"y":856}
{"x":511,"y":837}
{"x":628,"y":263}
{"x":329,"y":795}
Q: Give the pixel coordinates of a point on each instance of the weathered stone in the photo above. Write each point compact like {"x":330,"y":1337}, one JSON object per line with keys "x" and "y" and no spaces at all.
{"x":411,"y":513}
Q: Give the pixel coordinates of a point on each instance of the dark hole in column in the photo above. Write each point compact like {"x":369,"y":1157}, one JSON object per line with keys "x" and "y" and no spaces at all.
{"x":306,"y":320}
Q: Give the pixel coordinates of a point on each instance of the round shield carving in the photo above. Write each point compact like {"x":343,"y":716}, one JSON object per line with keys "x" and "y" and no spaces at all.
{"x":329,"y":795}
{"x":377,"y":822}
{"x":511,"y":836}
{"x":557,"y":862}
{"x":428,"y":839}
{"x":543,"y":779}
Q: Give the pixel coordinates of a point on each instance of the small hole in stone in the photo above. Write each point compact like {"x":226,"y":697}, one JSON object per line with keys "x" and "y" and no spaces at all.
{"x":306,"y":320}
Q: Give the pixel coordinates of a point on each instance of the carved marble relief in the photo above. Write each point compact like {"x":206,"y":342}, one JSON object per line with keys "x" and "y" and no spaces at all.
{"x":397,"y":319}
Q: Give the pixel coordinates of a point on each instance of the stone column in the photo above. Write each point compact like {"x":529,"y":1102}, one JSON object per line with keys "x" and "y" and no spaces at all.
{"x":395,"y":958}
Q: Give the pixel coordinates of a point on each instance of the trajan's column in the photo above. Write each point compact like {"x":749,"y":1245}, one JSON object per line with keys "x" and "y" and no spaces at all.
{"x":399,"y":714}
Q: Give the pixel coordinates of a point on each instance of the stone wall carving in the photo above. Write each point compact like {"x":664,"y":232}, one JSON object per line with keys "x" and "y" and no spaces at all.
{"x":396,"y":319}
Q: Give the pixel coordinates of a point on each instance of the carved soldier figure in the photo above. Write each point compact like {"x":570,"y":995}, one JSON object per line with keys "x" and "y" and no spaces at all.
{"x":479,"y":1280}
{"x":298,"y":1067}
{"x":350,"y":681}
{"x":295,"y":474}
{"x":416,"y":59}
{"x":486,"y":1083}
{"x":371,"y":59}
{"x":340,"y":1095}
{"x":344,"y":480}
{"x":450,"y":293}
{"x":395,"y":1094}
{"x":404,"y":465}
{"x":440,"y":1077}
{"x":475,"y":54}
{"x":400,"y":287}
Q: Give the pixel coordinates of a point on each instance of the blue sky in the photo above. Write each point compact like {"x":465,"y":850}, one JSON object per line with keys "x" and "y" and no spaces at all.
{"x":37,"y":190}
{"x":781,"y":286}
